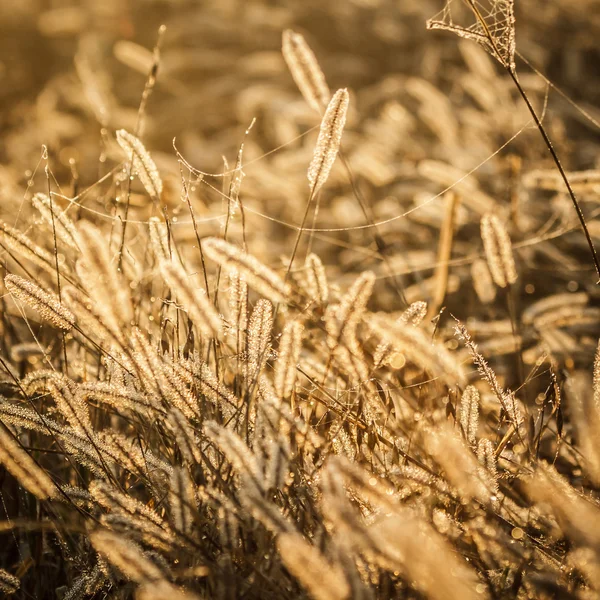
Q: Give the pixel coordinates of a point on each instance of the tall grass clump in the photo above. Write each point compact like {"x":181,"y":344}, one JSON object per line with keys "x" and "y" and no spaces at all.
{"x":349,"y":353}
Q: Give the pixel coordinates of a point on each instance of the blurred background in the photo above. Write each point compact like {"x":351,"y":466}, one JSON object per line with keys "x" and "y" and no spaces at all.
{"x":426,"y":108}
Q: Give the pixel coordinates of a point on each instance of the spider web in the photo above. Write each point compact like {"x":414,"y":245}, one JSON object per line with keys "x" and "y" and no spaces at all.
{"x":497,"y":36}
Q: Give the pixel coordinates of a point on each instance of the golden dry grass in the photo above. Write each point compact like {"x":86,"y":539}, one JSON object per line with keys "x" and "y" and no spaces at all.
{"x":264,"y":340}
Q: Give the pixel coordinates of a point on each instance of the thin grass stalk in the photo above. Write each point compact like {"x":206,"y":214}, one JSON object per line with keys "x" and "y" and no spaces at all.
{"x":510,"y":68}
{"x":150,"y":83}
{"x":326,"y":149}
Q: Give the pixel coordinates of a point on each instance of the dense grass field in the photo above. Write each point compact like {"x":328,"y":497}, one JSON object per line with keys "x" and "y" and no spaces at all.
{"x":300,"y":299}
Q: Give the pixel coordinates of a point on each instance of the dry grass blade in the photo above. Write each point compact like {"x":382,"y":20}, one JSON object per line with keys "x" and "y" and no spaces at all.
{"x":95,"y":88}
{"x":115,"y":501}
{"x":159,"y":377}
{"x":414,"y":314}
{"x":133,"y":55}
{"x":70,"y":404}
{"x":305,"y":70}
{"x":238,"y":454}
{"x":119,"y":397}
{"x":329,"y":140}
{"x":444,"y":253}
{"x":134,"y":519}
{"x":460,"y":466}
{"x":45,"y":304}
{"x":27,"y":418}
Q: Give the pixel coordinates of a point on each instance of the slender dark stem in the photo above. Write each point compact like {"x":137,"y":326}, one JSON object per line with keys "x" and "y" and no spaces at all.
{"x":377,"y":237}
{"x":559,"y":166}
{"x":64,"y":339}
{"x":54,"y":236}
{"x":311,"y":197}
{"x":510,"y":68}
{"x":125,"y":216}
{"x":225,"y":231}
{"x":189,"y":203}
{"x":237,"y":172}
{"x":213,"y":344}
{"x":188,"y":200}
{"x":150,"y":82}
{"x":300,"y":232}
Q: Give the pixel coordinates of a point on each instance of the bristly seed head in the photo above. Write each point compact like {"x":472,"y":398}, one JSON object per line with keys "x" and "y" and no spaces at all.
{"x":498,"y":250}
{"x":329,"y":140}
{"x":141,"y":161}
{"x":46,"y":304}
{"x":305,"y":70}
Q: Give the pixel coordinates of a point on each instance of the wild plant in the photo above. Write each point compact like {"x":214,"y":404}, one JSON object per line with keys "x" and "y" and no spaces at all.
{"x":191,"y":408}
